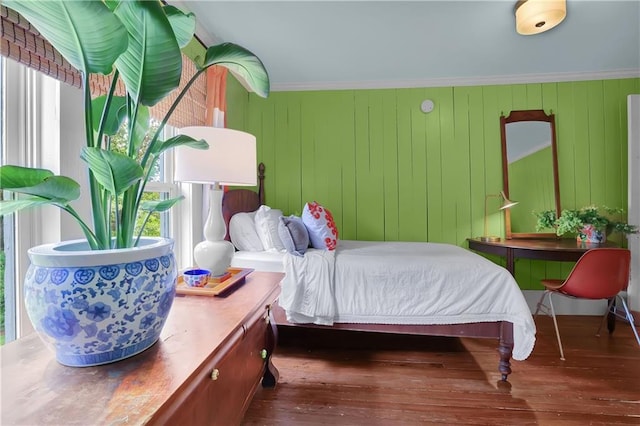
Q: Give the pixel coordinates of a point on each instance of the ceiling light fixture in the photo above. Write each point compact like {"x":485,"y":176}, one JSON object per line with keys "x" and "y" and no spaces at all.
{"x":538,"y":16}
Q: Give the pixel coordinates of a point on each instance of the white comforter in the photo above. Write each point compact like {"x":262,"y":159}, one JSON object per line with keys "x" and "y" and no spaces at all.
{"x":404,"y":283}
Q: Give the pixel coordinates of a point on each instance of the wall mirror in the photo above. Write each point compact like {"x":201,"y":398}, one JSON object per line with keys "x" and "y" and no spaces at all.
{"x":529,"y":170}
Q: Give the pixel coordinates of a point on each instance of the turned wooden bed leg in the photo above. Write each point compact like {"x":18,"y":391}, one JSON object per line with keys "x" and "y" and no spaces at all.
{"x":271,"y":373}
{"x":505,"y":349}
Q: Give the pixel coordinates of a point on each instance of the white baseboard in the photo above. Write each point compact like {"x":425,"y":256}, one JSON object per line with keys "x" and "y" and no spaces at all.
{"x":565,"y":305}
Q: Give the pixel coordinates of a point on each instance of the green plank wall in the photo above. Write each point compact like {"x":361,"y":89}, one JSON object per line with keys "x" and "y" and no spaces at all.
{"x":387,"y":171}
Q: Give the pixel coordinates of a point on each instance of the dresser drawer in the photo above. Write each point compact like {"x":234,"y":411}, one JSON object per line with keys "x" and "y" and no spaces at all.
{"x":224,"y":387}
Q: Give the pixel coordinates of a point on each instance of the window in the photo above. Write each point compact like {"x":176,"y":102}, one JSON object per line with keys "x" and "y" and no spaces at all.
{"x":4,"y":230}
{"x":21,"y":88}
{"x":43,"y":113}
{"x":159,"y":186}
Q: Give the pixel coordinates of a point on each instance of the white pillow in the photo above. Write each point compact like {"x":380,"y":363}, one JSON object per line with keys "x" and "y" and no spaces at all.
{"x":243,"y":234}
{"x":323,"y":233}
{"x":266,"y":221}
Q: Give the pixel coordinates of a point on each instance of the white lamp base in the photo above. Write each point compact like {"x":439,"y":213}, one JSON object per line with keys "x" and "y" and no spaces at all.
{"x":214,"y":256}
{"x":214,"y":253}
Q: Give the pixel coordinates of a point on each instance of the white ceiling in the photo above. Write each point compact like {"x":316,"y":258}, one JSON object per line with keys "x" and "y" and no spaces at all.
{"x":309,"y":45}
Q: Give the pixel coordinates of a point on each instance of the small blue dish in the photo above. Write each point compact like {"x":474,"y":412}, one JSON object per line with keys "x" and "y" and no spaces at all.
{"x":196,"y":277}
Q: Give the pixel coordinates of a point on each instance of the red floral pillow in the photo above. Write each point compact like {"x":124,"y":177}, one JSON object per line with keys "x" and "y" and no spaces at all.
{"x":322,"y":229}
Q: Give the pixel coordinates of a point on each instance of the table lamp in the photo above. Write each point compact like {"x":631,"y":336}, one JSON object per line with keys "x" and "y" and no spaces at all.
{"x":506,"y":203}
{"x":230,"y":160}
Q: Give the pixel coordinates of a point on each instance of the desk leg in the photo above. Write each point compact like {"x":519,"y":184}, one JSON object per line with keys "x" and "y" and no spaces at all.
{"x":511,"y":264}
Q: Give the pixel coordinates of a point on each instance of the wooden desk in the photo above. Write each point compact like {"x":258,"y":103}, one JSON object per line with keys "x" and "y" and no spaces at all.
{"x":204,"y":369}
{"x":558,"y":249}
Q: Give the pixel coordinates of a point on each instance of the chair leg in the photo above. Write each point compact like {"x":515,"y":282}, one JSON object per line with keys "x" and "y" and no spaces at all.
{"x":540,"y":304}
{"x":555,"y":324}
{"x":606,"y":316}
{"x":630,"y":318}
{"x":549,"y":310}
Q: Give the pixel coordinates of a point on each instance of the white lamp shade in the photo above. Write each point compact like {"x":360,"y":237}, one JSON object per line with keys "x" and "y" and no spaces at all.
{"x":537,"y":16}
{"x":230,"y":159}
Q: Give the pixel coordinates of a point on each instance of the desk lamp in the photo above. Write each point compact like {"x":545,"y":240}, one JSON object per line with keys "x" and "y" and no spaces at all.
{"x":230,"y":160}
{"x":506,"y":203}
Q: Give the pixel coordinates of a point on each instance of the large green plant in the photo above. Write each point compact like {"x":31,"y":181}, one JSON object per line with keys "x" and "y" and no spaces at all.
{"x":140,"y":43}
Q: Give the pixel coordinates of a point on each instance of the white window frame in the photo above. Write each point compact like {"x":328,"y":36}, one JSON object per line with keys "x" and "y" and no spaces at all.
{"x":185,"y":221}
{"x":22,"y":130}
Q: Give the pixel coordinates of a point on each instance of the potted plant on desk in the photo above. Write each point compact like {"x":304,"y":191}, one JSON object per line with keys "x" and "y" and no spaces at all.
{"x":588,"y":223}
{"x":106,"y":297}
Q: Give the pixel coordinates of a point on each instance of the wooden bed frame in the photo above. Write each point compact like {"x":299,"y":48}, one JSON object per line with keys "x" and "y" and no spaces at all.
{"x":244,"y":200}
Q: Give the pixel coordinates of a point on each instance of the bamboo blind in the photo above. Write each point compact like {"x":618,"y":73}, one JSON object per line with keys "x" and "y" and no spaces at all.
{"x":23,"y":43}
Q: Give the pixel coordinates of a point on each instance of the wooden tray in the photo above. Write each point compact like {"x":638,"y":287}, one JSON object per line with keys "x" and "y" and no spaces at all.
{"x":222,"y":289}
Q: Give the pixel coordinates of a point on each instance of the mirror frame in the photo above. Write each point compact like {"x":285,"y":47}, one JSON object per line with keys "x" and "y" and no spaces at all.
{"x":514,"y":117}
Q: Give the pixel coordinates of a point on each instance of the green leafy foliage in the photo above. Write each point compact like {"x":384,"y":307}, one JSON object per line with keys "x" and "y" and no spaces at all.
{"x":137,"y":42}
{"x":572,"y":221}
{"x":38,"y":187}
{"x":86,"y":33}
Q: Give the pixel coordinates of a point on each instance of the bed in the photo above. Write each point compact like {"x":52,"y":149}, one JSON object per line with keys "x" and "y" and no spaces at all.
{"x":371,"y":286}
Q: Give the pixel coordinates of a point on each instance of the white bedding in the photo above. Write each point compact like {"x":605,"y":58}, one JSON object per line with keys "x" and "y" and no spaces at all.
{"x":269,"y":261}
{"x":401,"y":283}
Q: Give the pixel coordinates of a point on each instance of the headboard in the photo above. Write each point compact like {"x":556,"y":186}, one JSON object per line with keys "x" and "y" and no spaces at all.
{"x":242,"y":200}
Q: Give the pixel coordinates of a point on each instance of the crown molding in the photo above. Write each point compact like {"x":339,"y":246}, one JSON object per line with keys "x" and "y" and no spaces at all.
{"x":457,"y":81}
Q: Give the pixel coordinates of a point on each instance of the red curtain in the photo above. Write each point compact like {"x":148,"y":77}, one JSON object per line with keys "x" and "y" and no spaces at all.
{"x":216,"y":96}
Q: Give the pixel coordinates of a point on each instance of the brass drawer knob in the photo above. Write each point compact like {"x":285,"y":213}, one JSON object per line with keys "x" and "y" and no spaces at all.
{"x":214,"y":374}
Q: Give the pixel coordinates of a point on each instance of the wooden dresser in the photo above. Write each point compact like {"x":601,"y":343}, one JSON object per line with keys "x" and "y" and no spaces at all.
{"x":204,"y":370}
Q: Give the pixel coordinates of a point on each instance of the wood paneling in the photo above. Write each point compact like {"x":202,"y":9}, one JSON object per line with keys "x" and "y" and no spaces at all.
{"x":387,"y":171}
{"x":356,"y":378}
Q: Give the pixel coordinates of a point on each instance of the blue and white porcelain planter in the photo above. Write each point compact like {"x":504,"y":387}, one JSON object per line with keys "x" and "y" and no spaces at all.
{"x":95,"y":307}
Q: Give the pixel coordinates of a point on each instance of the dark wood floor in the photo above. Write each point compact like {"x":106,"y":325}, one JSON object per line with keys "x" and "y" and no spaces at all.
{"x":365,"y":379}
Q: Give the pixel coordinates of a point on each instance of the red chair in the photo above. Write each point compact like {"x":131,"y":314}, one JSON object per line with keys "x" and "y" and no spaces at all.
{"x":601,"y":273}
